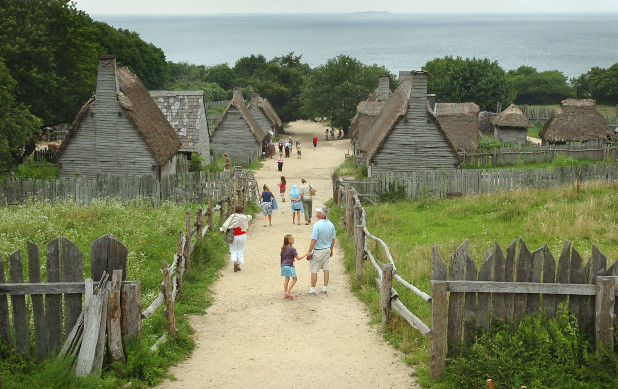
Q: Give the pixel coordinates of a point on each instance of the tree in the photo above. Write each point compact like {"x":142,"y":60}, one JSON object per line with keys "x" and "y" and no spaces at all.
{"x":532,"y":87}
{"x":469,"y":80}
{"x":332,"y":91}
{"x":18,"y":126}
{"x":599,"y":84}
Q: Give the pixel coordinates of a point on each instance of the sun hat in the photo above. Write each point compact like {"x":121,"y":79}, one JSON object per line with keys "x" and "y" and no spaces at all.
{"x":322,"y":210}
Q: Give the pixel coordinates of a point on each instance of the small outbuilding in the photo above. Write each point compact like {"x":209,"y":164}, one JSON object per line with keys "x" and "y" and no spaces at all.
{"x":511,"y":126}
{"x":406,"y":137}
{"x":186,"y":113}
{"x":119,"y":131}
{"x":238,"y":133}
{"x":576,"y":121}
{"x":265,"y":114}
{"x":460,"y":122}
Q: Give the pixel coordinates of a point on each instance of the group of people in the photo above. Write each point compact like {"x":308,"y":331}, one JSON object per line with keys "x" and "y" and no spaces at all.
{"x":332,"y":133}
{"x":301,"y":200}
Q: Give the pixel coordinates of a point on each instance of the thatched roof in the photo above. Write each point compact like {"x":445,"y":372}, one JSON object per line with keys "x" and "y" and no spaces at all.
{"x":239,"y":104}
{"x":511,"y":117}
{"x":269,"y":111}
{"x":460,"y":122}
{"x":366,"y":114}
{"x":143,"y":112}
{"x":397,"y":106}
{"x":576,"y":121}
{"x":185,"y":111}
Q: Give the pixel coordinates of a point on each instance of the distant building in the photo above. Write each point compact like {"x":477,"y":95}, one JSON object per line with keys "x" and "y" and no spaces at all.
{"x":460,"y":122}
{"x":576,"y":121}
{"x":186,"y":113}
{"x":119,"y":131}
{"x":265,"y":114}
{"x":511,"y":126}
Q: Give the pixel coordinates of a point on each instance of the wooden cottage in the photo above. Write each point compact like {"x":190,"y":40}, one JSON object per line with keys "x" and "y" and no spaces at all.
{"x":119,"y":131}
{"x":238,"y":133}
{"x":368,"y":111}
{"x":460,"y":122}
{"x":576,"y":121}
{"x":407,"y":137}
{"x":265,"y":114}
{"x":511,"y":126}
{"x":186,"y":113}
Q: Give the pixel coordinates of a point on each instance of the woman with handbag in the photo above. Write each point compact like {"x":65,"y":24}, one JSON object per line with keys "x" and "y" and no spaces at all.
{"x":307,"y":192}
{"x":266,"y":204}
{"x":237,"y":222}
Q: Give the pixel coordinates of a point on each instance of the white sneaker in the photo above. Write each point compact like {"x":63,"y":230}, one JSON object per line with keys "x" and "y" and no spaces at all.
{"x":324,"y":289}
{"x":312,"y":291}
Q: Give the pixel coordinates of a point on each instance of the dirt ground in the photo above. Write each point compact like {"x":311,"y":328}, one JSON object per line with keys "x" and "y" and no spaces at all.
{"x":251,"y":337}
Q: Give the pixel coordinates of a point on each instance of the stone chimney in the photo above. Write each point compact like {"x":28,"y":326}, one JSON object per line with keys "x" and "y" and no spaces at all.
{"x":384,"y":90}
{"x":238,"y":92}
{"x":403,"y":74}
{"x":254,"y":99}
{"x":107,"y":80}
{"x":419,"y":85}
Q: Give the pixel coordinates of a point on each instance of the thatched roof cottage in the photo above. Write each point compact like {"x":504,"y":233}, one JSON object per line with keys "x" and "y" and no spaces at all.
{"x":238,"y":133}
{"x":368,"y":111}
{"x":511,"y":125}
{"x":265,"y":114}
{"x":119,"y":131}
{"x":186,"y":113}
{"x":406,"y":136}
{"x":460,"y":123}
{"x":576,"y":121}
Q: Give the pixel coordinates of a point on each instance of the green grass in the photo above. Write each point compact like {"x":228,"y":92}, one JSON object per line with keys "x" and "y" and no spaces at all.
{"x":533,"y":131}
{"x":151,"y":235}
{"x":410,"y":229}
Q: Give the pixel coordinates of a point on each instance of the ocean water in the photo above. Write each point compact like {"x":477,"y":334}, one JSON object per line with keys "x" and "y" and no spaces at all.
{"x":572,"y":44}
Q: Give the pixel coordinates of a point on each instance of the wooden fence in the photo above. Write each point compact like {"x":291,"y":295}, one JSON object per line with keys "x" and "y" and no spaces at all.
{"x":505,"y":288}
{"x":540,"y":154}
{"x":458,"y":182}
{"x":180,"y":188}
{"x":543,"y":114}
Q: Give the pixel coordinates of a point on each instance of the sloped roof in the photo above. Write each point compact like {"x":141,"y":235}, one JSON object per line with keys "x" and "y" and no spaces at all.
{"x":269,"y":111}
{"x":239,"y":104}
{"x":142,"y":111}
{"x":186,"y":113}
{"x":460,"y":122}
{"x":366,"y":114}
{"x":576,"y":121}
{"x":511,"y":117}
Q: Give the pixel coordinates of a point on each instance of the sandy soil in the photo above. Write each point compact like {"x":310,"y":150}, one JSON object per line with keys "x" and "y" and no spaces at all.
{"x":251,"y":337}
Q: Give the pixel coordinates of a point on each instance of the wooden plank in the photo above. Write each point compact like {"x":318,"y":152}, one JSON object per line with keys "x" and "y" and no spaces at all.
{"x":114,"y":313}
{"x":456,"y":300}
{"x":536,"y":275}
{"x":107,"y":254}
{"x":549,"y":276}
{"x":131,"y":307}
{"x":438,"y":329}
{"x":20,"y":312}
{"x":169,"y":302}
{"x":567,"y":275}
{"x":73,"y":268}
{"x":587,"y":304}
{"x":509,"y":272}
{"x":385,"y":292}
{"x":92,"y":323}
{"x":5,"y":326}
{"x":38,"y":306}
{"x":497,"y":299}
{"x":103,"y":297}
{"x":520,"y":288}
{"x":438,"y":267}
{"x":56,"y":288}
{"x":53,"y":302}
{"x":483,"y":305}
{"x":470,"y":310}
{"x":604,"y":312}
{"x":524,"y":267}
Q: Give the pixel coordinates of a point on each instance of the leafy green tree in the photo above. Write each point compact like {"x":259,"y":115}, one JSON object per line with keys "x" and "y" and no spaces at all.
{"x":332,"y":91}
{"x":185,"y":76}
{"x":49,"y":50}
{"x":599,"y":84}
{"x":532,"y":87}
{"x":463,"y":80}
{"x":18,"y":126}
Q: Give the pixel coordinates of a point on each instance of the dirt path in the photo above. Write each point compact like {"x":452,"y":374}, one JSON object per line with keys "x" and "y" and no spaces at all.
{"x":251,"y":337}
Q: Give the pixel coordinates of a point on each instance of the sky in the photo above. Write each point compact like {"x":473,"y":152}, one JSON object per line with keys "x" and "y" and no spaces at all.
{"x":94,"y":7}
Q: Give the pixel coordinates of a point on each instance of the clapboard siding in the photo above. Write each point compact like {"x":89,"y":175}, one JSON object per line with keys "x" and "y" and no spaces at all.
{"x":234,"y":137}
{"x":511,"y":134}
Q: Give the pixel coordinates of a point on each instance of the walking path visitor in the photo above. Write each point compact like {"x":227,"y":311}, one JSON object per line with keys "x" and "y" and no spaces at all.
{"x":253,"y":337}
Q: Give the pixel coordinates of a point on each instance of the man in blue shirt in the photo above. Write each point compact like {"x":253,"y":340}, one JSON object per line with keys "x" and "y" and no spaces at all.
{"x":322,"y":243}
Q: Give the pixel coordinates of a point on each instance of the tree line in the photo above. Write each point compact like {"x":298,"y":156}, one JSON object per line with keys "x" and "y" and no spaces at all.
{"x":49,"y":56}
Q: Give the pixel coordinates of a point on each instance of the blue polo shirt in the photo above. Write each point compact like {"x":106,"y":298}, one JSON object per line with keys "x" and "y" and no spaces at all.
{"x":323,"y":232}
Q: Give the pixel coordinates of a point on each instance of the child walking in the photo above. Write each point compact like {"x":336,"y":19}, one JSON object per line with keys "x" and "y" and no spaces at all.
{"x":282,"y":189}
{"x":288,"y":254}
{"x":280,"y":162}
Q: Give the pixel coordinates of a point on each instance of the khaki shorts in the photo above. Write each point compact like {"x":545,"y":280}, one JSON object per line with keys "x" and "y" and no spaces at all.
{"x":320,"y":260}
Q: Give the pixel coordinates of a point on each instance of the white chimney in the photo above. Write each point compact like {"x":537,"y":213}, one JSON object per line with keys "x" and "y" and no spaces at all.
{"x":384,"y":90}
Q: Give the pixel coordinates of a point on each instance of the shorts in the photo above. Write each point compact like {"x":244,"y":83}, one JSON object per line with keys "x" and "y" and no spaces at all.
{"x":320,"y":260}
{"x":288,"y":271}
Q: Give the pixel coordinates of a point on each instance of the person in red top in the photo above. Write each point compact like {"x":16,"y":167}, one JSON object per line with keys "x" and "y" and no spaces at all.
{"x":239,"y":222}
{"x":315,"y":142}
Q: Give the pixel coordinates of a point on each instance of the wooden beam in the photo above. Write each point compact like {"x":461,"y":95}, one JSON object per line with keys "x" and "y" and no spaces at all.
{"x":114,"y":314}
{"x":520,"y":287}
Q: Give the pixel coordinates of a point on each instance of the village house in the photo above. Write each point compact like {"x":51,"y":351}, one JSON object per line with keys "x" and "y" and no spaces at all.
{"x":576,"y":121}
{"x":511,"y":126}
{"x":460,"y":122}
{"x":406,"y":136}
{"x":265,"y":114}
{"x":119,"y":131}
{"x":238,"y":133}
{"x":186,"y":113}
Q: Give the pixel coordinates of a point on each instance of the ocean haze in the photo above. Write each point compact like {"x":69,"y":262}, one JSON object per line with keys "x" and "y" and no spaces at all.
{"x":571,"y":44}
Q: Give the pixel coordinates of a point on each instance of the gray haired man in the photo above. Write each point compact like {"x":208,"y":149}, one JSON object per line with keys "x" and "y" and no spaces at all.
{"x":322,"y":242}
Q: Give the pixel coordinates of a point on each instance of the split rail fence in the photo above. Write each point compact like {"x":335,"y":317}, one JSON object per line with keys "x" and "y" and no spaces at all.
{"x":505,"y":288}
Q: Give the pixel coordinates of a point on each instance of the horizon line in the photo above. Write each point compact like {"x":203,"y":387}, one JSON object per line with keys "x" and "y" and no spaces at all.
{"x":366,"y":13}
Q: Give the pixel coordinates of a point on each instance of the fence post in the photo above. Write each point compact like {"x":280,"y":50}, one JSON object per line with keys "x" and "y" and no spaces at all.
{"x":360,"y":251}
{"x":169,"y":301}
{"x":20,"y":312}
{"x":349,"y":210}
{"x":604,"y":312}
{"x":187,"y":250}
{"x":180,"y":253}
{"x":114,"y":314}
{"x":438,"y":329}
{"x":211,"y":217}
{"x":385,"y":291}
{"x":131,"y":307}
{"x":5,"y":326}
{"x":199,"y":223}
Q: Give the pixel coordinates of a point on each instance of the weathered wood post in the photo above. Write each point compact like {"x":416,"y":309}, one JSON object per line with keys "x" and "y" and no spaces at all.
{"x":187,"y":249}
{"x":336,"y":184}
{"x":38,"y":306}
{"x":131,"y":307}
{"x":360,"y":251}
{"x":20,"y":312}
{"x":5,"y":326}
{"x":437,"y":359}
{"x":114,"y":315}
{"x":385,"y":291}
{"x":349,"y":210}
{"x":604,"y":312}
{"x":169,"y":301}
{"x":199,"y":223}
{"x":180,"y":254}
{"x":211,"y":217}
